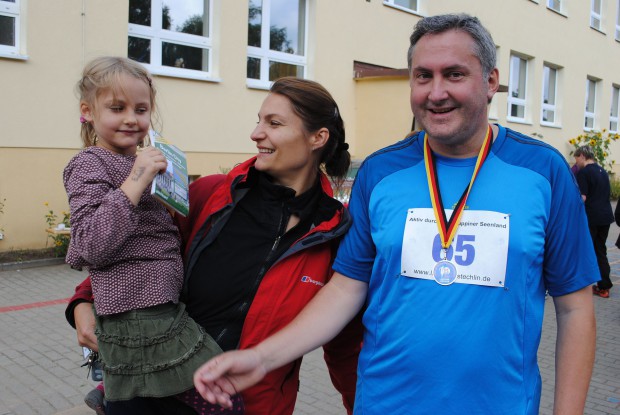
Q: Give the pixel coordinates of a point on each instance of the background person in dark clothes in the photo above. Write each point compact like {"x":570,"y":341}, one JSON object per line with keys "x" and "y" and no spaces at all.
{"x":594,"y":187}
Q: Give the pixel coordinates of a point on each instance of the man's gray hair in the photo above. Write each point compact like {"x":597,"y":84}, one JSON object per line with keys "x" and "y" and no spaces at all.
{"x":484,"y":47}
{"x":585,"y":151}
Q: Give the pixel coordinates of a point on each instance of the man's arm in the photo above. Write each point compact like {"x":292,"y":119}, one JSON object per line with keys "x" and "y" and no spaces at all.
{"x":324,"y":317}
{"x":79,"y":314}
{"x":85,"y":325}
{"x":575,"y":348}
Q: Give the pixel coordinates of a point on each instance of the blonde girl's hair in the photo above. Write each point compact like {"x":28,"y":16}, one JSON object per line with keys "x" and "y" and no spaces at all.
{"x":102,"y":74}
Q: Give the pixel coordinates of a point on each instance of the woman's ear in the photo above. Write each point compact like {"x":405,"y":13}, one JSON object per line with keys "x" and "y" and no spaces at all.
{"x":86,"y":111}
{"x":319,"y":139}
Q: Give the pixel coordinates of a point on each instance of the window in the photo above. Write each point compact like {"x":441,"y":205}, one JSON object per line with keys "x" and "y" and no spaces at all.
{"x":595,"y":14}
{"x":9,"y":27}
{"x":517,"y":89}
{"x":170,"y":37}
{"x":276,"y":40}
{"x":409,"y":5}
{"x":549,"y":96}
{"x":555,"y":5}
{"x":614,"y":114}
{"x":590,"y":114}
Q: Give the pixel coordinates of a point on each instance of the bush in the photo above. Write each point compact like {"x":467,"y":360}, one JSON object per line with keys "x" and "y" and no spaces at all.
{"x":600,"y":142}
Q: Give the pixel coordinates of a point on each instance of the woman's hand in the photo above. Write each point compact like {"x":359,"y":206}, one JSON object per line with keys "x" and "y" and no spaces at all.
{"x":228,"y":374}
{"x":85,"y":325}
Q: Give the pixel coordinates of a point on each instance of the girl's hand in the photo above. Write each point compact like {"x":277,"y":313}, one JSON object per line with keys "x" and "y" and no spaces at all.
{"x":228,"y":374}
{"x":149,"y":162}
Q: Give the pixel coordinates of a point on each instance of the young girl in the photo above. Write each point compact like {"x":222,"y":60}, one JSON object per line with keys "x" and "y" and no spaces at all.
{"x":148,"y":345}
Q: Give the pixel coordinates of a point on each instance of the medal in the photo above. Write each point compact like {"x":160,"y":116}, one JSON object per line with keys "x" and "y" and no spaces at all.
{"x":444,"y":271}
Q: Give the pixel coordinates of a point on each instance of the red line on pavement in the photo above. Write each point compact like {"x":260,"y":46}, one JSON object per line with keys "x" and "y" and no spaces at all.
{"x":33,"y":305}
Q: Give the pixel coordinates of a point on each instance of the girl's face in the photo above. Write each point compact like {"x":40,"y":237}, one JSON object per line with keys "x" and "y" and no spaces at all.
{"x":121,"y":118}
{"x":286,"y":151}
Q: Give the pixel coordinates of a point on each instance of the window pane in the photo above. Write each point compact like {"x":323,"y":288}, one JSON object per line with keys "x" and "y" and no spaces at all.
{"x":287,"y":26}
{"x":549,"y":75}
{"x":615,"y":93}
{"x":279,"y":69}
{"x":253,"y":68}
{"x":590,"y":96}
{"x":7,"y":31}
{"x":517,"y":111}
{"x":255,"y":16}
{"x":613,"y":126}
{"x":139,"y":49}
{"x":518,"y":73}
{"x":181,"y":56}
{"x":185,"y":17}
{"x":589,"y":122}
{"x":140,"y":12}
{"x":548,"y":116}
{"x":596,"y":6}
{"x":409,"y":4}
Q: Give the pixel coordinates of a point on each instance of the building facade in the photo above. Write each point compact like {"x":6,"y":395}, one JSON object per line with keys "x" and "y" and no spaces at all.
{"x":213,"y":61}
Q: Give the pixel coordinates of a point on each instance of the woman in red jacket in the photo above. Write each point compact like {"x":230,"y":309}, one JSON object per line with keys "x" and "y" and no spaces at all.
{"x":260,"y":241}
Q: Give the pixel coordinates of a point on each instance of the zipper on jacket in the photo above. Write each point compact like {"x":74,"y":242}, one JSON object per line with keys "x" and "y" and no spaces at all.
{"x":284,"y":218}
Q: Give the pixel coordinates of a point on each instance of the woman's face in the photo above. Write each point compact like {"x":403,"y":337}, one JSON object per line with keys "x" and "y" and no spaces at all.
{"x":286,"y":151}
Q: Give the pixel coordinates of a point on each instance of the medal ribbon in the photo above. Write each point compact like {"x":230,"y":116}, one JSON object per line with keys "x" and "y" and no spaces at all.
{"x":447,"y":228}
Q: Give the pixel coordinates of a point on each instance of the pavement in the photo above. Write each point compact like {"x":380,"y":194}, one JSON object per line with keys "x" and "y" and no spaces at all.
{"x":40,"y":360}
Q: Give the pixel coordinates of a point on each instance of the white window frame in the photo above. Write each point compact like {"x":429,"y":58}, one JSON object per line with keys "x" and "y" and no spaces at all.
{"x":391,"y":3}
{"x":12,"y":10}
{"x":590,"y":115}
{"x":266,"y":55}
{"x":555,"y":5}
{"x":614,"y":118}
{"x":157,"y":36}
{"x":545,"y":106}
{"x":514,"y":78}
{"x":596,"y":16}
{"x":618,"y":21}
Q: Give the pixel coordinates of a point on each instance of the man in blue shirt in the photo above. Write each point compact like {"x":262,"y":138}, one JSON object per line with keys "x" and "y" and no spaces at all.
{"x":458,"y":232}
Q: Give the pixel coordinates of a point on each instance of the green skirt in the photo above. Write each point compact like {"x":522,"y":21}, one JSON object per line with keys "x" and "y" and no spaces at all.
{"x":151,"y":352}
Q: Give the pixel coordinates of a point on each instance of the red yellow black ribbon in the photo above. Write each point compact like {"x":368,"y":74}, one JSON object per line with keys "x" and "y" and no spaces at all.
{"x":447,"y":228}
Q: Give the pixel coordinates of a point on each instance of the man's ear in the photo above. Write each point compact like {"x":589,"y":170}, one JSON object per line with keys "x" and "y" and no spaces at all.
{"x":86,"y":111}
{"x":319,"y":139}
{"x":493,"y":83}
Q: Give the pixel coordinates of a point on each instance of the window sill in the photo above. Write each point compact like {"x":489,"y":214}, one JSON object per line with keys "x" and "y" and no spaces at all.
{"x":558,"y":12}
{"x":518,"y":121}
{"x":403,"y":9}
{"x":15,"y":56}
{"x":182,"y":74}
{"x":256,"y":84}
{"x":598,"y":30}
{"x":545,"y":124}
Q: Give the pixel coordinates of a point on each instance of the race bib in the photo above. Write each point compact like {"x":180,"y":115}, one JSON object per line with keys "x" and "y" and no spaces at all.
{"x":478,"y":253}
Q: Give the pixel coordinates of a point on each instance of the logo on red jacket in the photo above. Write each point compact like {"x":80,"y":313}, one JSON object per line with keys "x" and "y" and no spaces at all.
{"x":309,"y":280}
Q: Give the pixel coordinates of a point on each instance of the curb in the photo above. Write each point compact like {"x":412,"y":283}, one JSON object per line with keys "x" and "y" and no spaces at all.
{"x":12,"y":266}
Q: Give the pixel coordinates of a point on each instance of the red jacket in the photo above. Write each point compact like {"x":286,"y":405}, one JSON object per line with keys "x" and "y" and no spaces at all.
{"x":283,"y":292}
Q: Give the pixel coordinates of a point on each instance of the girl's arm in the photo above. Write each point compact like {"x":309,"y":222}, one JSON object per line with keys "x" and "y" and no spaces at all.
{"x":103,"y":216}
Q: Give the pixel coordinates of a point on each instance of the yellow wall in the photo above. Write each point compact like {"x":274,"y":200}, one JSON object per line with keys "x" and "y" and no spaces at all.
{"x":212,"y":120}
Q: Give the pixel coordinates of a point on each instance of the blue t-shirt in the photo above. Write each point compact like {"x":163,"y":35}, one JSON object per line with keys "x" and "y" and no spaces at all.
{"x":463,"y":348}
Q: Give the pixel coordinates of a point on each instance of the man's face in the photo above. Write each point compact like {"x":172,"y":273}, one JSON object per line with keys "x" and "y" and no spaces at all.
{"x":449,"y":95}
